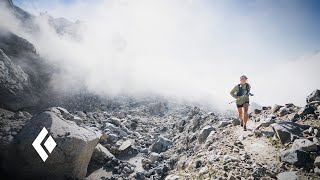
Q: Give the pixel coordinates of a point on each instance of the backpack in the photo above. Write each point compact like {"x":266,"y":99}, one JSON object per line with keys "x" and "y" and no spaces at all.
{"x":240,"y":93}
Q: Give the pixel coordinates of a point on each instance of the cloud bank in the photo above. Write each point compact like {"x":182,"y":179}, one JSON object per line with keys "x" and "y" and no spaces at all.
{"x":183,"y":49}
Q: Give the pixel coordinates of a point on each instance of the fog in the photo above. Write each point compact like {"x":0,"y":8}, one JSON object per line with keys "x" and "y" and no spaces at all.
{"x":183,"y":49}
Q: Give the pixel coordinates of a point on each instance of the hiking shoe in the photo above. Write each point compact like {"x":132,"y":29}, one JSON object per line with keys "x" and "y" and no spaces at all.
{"x":245,"y":127}
{"x":241,"y":123}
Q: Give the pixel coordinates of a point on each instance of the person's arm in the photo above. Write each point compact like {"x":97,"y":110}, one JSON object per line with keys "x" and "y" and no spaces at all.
{"x":233,"y":91}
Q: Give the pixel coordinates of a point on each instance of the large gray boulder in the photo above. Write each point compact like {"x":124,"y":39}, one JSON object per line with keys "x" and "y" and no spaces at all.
{"x":284,"y":111}
{"x":304,"y":145}
{"x":16,"y":91}
{"x":306,"y":110}
{"x":70,"y":157}
{"x":293,"y":117}
{"x":161,"y":145}
{"x":101,"y":154}
{"x":100,"y":157}
{"x":265,"y":122}
{"x":287,"y":131}
{"x":204,"y":133}
{"x":314,"y":96}
{"x":224,"y":123}
{"x":317,"y":162}
{"x":296,"y":157}
{"x":276,"y":108}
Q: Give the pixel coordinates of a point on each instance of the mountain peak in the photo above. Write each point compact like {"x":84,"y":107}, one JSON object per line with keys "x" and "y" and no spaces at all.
{"x":7,"y":3}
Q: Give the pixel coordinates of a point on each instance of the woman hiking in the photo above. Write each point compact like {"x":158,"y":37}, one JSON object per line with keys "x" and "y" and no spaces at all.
{"x":241,"y":93}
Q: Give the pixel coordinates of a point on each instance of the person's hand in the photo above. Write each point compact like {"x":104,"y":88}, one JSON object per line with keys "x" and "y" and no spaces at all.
{"x":238,"y":98}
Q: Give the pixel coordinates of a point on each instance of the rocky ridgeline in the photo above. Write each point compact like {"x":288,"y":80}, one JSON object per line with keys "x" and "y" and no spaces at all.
{"x":296,"y":132}
{"x":163,"y":140}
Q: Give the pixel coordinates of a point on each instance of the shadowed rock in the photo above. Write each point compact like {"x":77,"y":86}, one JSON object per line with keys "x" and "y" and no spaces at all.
{"x":70,"y":157}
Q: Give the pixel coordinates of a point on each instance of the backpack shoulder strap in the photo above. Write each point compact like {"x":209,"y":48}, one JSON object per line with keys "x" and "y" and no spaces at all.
{"x":239,"y":90}
{"x":247,"y":88}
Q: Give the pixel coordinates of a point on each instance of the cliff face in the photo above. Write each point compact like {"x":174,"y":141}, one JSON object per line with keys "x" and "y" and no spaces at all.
{"x":16,"y":89}
{"x":25,"y":75}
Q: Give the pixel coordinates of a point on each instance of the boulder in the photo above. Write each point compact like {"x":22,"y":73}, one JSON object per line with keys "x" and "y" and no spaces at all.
{"x":306,"y":110}
{"x":275,"y":108}
{"x":235,"y":121}
{"x":316,"y":132}
{"x":317,"y":171}
{"x":310,"y":130}
{"x":296,"y":157}
{"x":161,"y":145}
{"x":99,"y":158}
{"x":314,"y":96}
{"x":210,"y":138}
{"x":125,"y":145}
{"x":70,"y":157}
{"x":204,"y":133}
{"x":257,"y":111}
{"x":101,"y":154}
{"x":115,"y":121}
{"x":289,"y":105}
{"x":76,"y":119}
{"x":224,"y":123}
{"x":267,"y":121}
{"x":287,"y":176}
{"x":284,"y":111}
{"x":114,"y":130}
{"x":293,"y":117}
{"x":154,"y":157}
{"x":304,"y":145}
{"x":286,"y":131}
{"x":317,"y":162}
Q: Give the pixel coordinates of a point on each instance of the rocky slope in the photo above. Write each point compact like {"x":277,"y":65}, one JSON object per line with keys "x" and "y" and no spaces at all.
{"x":24,"y":76}
{"x":166,"y":140}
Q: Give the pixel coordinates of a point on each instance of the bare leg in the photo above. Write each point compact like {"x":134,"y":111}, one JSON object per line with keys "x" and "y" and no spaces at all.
{"x":245,"y":107}
{"x":240,"y":115}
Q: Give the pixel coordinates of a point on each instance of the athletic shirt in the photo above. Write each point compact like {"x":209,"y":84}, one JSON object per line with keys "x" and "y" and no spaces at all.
{"x":235,"y":90}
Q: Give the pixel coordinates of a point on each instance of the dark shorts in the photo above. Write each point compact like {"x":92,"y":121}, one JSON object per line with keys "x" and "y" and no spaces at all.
{"x":241,"y":105}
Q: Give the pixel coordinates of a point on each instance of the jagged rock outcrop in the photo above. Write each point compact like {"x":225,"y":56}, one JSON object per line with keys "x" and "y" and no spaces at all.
{"x":25,"y":18}
{"x":314,"y":96}
{"x":287,"y":131}
{"x":23,"y":54}
{"x":70,"y":158}
{"x":16,"y":88}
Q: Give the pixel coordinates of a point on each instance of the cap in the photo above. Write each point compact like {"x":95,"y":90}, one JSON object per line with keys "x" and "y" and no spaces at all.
{"x":243,"y":77}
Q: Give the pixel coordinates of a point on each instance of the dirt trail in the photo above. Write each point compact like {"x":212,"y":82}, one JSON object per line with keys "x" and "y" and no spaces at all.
{"x":259,"y":148}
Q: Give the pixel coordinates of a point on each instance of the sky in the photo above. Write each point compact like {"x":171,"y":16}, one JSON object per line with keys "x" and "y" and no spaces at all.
{"x":295,"y":22}
{"x":188,"y":48}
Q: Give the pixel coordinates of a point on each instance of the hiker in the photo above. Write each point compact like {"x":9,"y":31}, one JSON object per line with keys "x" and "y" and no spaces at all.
{"x":241,"y":93}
